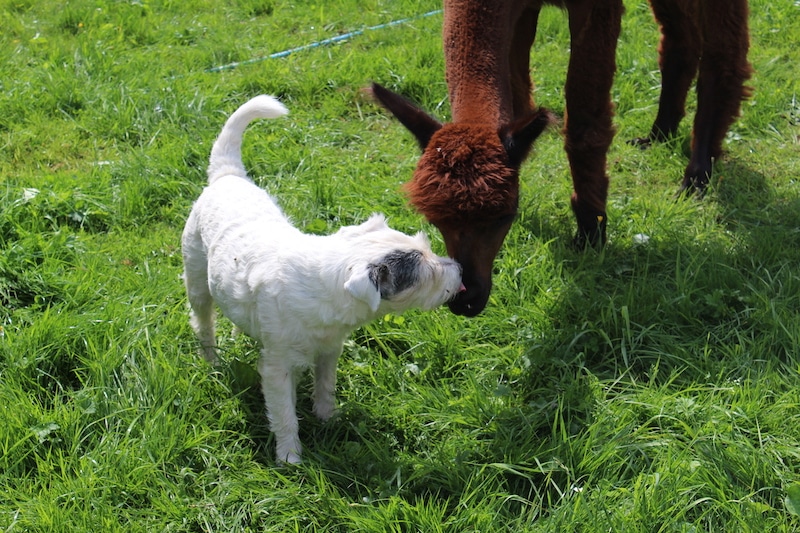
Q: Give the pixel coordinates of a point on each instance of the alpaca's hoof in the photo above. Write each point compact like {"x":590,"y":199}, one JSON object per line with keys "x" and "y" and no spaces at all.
{"x":642,"y":143}
{"x":694,"y":184}
{"x":592,"y":235}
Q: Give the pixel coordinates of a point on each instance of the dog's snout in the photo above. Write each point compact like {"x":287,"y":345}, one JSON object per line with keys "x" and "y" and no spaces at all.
{"x":452,"y":263}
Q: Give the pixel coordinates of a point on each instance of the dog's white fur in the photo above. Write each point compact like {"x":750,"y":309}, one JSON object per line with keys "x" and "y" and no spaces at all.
{"x":299,"y":295}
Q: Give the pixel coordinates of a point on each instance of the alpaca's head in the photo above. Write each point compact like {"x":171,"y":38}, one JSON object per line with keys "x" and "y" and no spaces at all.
{"x":464,"y":185}
{"x":467,"y":185}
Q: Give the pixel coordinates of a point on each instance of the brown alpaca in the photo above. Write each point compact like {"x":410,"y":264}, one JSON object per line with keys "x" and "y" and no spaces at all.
{"x":467,"y":180}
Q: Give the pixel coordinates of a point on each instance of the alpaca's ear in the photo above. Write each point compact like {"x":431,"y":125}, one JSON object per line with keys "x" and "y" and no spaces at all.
{"x":417,"y":121}
{"x":518,"y":136}
{"x":363,"y":284}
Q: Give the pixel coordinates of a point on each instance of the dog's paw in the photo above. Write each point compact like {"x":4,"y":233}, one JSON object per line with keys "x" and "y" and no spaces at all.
{"x":209,"y":353}
{"x":325,"y":412}
{"x":290,"y":458}
{"x":288,"y":451}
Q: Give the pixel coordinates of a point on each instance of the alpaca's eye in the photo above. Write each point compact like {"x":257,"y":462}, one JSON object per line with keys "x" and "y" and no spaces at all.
{"x":504,"y":220}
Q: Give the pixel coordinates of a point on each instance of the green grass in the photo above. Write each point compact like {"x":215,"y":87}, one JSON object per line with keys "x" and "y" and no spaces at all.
{"x":649,"y":387}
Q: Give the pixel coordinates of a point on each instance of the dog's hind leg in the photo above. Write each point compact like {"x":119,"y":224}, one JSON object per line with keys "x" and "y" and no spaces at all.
{"x":202,"y":320}
{"x":195,"y":276}
{"x":325,"y":384}
{"x":278,"y":384}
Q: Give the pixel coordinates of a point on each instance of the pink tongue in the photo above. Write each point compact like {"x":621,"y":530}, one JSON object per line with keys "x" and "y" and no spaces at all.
{"x":462,"y":288}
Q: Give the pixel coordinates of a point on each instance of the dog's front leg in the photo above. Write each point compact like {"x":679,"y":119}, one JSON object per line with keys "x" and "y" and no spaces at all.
{"x":325,"y":384}
{"x":278,"y":387}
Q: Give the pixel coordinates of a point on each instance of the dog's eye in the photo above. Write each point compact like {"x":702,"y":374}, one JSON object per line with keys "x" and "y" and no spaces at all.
{"x":380,"y":275}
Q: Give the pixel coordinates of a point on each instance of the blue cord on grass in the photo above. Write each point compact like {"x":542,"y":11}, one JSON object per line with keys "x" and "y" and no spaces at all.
{"x":323,"y":42}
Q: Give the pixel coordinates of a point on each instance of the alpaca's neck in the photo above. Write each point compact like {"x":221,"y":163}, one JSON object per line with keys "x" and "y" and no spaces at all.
{"x":476,"y":59}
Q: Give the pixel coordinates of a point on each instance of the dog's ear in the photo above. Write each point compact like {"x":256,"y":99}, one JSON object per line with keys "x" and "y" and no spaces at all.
{"x":375,"y":222}
{"x":364,"y":284}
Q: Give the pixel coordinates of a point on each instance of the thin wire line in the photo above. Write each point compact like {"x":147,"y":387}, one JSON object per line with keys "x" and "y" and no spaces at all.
{"x":323,"y":42}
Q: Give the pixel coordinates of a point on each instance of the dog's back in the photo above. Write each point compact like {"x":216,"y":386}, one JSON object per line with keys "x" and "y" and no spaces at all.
{"x":226,"y":155}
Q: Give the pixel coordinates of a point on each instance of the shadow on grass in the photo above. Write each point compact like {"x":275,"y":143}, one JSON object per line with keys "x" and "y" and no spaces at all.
{"x":368,"y":454}
{"x":752,"y":207}
{"x":633,"y":306}
{"x":675,"y":312}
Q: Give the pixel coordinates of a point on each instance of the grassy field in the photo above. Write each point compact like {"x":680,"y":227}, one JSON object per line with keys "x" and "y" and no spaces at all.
{"x":653,"y":387}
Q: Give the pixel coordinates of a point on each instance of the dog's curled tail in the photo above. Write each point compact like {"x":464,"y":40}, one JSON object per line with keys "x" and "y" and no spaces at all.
{"x":226,"y":155}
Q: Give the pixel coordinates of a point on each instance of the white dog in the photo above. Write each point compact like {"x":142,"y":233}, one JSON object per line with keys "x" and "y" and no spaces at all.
{"x":299,"y":295}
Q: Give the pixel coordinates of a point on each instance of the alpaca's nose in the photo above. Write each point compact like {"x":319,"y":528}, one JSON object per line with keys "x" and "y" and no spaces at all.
{"x":469,"y":301}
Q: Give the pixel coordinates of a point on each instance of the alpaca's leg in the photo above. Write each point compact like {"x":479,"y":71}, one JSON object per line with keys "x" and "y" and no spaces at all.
{"x":519,"y":62}
{"x":679,"y":54}
{"x":594,"y":27}
{"x":720,"y":86}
